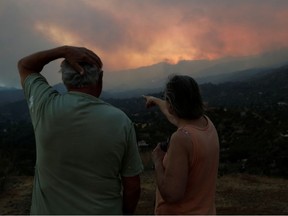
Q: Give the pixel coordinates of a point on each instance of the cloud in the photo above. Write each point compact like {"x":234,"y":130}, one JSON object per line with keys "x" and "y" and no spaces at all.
{"x":237,"y":28}
{"x":17,"y":39}
{"x":129,"y":33}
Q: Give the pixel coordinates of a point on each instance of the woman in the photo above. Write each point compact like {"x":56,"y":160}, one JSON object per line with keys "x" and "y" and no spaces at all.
{"x":186,"y":174}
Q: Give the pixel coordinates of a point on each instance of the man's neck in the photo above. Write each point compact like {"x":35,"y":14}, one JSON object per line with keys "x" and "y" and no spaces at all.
{"x":87,"y":90}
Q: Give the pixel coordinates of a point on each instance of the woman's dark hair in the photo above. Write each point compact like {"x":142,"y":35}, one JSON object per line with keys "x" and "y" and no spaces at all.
{"x":183,"y":93}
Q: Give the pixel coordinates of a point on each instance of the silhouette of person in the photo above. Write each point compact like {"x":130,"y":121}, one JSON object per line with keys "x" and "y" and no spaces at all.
{"x":186,"y":174}
{"x":87,"y":159}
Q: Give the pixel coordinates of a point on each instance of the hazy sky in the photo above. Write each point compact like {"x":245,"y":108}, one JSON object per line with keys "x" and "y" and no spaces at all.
{"x":134,"y":33}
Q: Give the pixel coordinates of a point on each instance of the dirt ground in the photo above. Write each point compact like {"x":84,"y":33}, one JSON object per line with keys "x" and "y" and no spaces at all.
{"x":236,"y":194}
{"x":15,"y":196}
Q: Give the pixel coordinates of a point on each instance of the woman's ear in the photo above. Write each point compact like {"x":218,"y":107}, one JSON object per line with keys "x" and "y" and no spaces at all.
{"x":170,"y":109}
{"x":171,"y":116}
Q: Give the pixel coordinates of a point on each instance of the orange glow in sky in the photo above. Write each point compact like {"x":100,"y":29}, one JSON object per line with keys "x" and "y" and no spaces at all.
{"x":133,"y":34}
{"x":128,"y":34}
{"x":170,"y":49}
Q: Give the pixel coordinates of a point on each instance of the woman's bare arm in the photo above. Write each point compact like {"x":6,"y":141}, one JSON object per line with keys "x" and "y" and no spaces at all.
{"x":172,"y":180}
{"x":163,"y":106}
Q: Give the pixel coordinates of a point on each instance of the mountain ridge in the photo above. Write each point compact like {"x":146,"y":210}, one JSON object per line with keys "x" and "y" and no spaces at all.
{"x":156,"y":75}
{"x":263,"y":89}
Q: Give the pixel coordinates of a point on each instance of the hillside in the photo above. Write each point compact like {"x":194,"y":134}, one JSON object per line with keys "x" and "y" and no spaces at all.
{"x":8,"y":95}
{"x":154,"y":76}
{"x":262,"y":88}
{"x":251,"y":118}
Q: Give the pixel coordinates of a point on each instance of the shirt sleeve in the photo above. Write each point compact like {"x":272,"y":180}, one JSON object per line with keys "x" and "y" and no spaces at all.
{"x":132,"y":163}
{"x":37,"y":93}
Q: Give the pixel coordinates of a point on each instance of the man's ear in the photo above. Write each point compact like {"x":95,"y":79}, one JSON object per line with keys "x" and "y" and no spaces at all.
{"x":99,"y":85}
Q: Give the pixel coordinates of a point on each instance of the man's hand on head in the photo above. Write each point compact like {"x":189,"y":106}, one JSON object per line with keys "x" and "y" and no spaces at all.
{"x":35,"y":62}
{"x":77,"y":55}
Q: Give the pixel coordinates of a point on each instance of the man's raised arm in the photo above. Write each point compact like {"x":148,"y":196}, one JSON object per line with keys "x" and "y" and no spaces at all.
{"x":34,"y":63}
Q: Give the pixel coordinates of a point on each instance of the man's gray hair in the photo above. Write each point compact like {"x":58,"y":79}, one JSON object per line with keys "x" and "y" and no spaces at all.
{"x":73,"y":78}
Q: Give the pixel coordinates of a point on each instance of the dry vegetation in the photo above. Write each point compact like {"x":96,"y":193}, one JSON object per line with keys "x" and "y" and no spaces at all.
{"x":236,"y":194}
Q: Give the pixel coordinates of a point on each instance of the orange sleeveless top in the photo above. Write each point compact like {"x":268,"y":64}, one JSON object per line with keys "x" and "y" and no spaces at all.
{"x":199,"y":197}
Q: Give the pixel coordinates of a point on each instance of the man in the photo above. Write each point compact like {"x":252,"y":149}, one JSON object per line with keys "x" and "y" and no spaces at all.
{"x":87,"y":157}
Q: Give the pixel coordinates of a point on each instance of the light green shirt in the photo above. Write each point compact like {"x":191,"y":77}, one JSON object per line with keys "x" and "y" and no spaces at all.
{"x":83,"y":147}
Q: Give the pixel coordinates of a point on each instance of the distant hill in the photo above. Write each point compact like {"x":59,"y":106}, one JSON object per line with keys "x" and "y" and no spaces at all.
{"x":155,"y":76}
{"x":130,"y":93}
{"x":237,"y":76}
{"x":10,"y":95}
{"x":16,"y":111}
{"x":267,"y":87}
{"x":250,"y":116}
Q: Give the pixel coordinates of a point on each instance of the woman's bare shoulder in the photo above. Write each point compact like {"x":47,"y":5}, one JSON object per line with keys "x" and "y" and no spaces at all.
{"x":181,"y":138}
